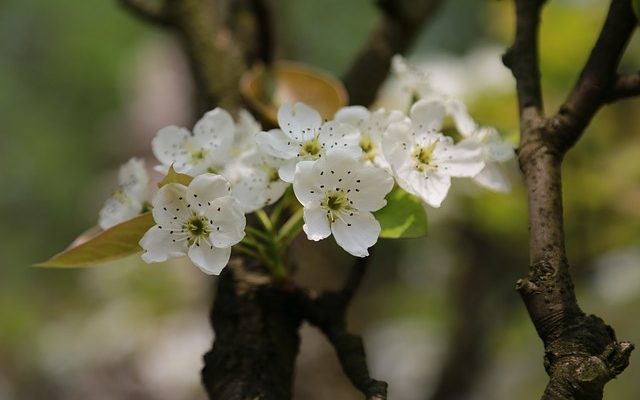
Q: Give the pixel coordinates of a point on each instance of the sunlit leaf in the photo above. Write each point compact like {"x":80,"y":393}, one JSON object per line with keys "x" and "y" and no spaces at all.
{"x":116,"y":242}
{"x":402,"y":217}
{"x":175,"y":177}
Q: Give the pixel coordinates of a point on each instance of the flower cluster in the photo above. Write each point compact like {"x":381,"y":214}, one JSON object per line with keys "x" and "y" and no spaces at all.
{"x":341,"y":170}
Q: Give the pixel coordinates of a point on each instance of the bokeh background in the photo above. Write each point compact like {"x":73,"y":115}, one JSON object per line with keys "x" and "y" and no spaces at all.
{"x":84,"y":86}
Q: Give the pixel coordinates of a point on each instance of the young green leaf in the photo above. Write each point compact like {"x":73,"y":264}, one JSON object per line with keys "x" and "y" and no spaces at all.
{"x":175,"y":177}
{"x":116,"y":242}
{"x":402,"y":217}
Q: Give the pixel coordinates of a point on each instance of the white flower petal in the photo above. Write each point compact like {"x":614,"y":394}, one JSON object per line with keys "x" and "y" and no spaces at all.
{"x":170,"y":207}
{"x":316,"y":223}
{"x":356,"y":233}
{"x":227,"y":222}
{"x":432,"y":188}
{"x":117,"y":209}
{"x":370,"y":186}
{"x":159,"y":245}
{"x":353,"y":115}
{"x":205,"y":188}
{"x":214,"y":130}
{"x":277,"y":144}
{"x":500,"y":151}
{"x":167,"y":145}
{"x":305,"y":183}
{"x":133,"y":179}
{"x":288,"y":169}
{"x":336,"y":135}
{"x":211,"y":260}
{"x":463,"y":121}
{"x":461,"y":160}
{"x":300,"y":122}
{"x":493,"y":178}
{"x":428,"y":115}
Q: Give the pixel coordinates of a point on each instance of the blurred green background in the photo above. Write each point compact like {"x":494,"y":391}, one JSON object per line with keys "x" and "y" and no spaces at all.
{"x":84,"y":86}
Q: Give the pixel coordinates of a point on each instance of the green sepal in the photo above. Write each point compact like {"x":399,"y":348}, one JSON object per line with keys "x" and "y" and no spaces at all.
{"x":175,"y":177}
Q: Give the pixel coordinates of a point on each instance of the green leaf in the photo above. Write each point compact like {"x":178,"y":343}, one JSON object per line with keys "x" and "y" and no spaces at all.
{"x":116,"y":242}
{"x":175,"y":177}
{"x":402,"y":217}
{"x":636,"y":8}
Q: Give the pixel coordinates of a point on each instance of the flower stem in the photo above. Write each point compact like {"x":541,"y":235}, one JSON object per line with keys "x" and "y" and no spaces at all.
{"x":291,"y":228}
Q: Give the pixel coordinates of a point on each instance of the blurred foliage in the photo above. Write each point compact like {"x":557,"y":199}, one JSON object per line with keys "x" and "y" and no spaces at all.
{"x":65,"y":67}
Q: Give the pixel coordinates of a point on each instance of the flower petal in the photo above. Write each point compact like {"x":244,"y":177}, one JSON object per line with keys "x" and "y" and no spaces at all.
{"x":370,"y":186}
{"x":461,"y":160}
{"x":461,"y":118}
{"x":287,"y":170}
{"x":277,"y":144}
{"x":211,"y":260}
{"x":214,"y":130}
{"x":305,"y":183}
{"x":353,"y":115}
{"x":300,"y":122}
{"x":316,"y":223}
{"x":159,"y":245}
{"x":205,"y":188}
{"x":170,"y":207}
{"x":227,"y":222}
{"x":493,"y":178}
{"x":167,"y":145}
{"x":118,"y":208}
{"x":356,"y":233}
{"x":427,"y":115}
{"x":336,"y":135}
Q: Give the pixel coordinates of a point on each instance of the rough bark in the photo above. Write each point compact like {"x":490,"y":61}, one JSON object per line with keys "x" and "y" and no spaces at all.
{"x":256,"y":338}
{"x":581,"y":352}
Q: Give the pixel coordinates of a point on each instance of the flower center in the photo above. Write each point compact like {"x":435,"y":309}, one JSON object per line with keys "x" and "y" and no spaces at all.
{"x":198,"y":155}
{"x":423,"y":157}
{"x":272,"y":175}
{"x":196,"y":227}
{"x":367,"y":148}
{"x":334,"y":203}
{"x":311,"y":148}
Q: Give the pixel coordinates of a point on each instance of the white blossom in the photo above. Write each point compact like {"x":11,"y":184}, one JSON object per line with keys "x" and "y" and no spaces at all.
{"x":494,"y":152}
{"x":422,"y":159}
{"x":339,"y":194}
{"x":201,"y":220}
{"x":246,"y":128}
{"x":255,"y":180}
{"x":303,"y":136}
{"x":415,"y":83}
{"x":371,"y":126}
{"x":206,"y":149}
{"x":128,"y":200}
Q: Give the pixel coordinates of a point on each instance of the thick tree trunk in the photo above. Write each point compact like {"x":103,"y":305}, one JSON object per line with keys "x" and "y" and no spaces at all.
{"x":256,"y":340}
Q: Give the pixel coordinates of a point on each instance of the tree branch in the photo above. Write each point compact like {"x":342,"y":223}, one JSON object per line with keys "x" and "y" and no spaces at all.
{"x":328,"y":313}
{"x":401,"y":22}
{"x":153,"y":11}
{"x":625,"y":86}
{"x":581,"y":352}
{"x":522,"y":59}
{"x":598,"y":76}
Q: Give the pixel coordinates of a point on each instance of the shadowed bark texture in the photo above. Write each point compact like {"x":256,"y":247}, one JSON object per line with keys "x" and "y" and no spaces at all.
{"x":582,"y":352}
{"x":256,"y":342}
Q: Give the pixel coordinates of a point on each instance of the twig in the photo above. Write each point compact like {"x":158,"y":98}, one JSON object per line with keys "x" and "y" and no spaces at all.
{"x":401,"y":22}
{"x":598,"y":75}
{"x":328,"y":313}
{"x":581,"y":352}
{"x":625,"y":86}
